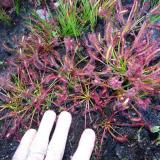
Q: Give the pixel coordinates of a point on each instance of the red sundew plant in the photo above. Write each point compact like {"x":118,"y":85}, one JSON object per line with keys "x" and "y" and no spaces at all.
{"x":117,"y":71}
{"x":132,"y":67}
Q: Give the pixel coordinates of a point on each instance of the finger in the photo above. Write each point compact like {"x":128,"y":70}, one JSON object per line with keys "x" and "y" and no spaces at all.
{"x":39,"y":145}
{"x":23,"y":148}
{"x":85,"y":146}
{"x":57,"y":144}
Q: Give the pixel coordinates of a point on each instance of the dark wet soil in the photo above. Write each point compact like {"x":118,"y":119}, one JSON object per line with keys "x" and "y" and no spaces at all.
{"x":10,"y":34}
{"x":141,"y":144}
{"x":7,"y":148}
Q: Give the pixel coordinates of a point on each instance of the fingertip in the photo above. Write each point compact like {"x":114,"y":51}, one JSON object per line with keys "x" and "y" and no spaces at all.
{"x":49,"y":114}
{"x":41,"y":140}
{"x":28,"y":135}
{"x":90,"y":132}
{"x":88,"y":136}
{"x":85,"y":146}
{"x":31,"y":131}
{"x":66,"y":116}
{"x":48,"y":119}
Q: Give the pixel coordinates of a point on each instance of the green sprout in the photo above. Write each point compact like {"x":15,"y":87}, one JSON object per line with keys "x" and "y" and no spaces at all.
{"x":17,"y":6}
{"x":4,"y":18}
{"x":156,"y":129}
{"x":89,"y":14}
{"x":155,"y":18}
{"x":67,"y":19}
{"x":74,"y":19}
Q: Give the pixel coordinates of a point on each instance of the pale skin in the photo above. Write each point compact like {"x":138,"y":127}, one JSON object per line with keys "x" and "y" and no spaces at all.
{"x":35,"y":145}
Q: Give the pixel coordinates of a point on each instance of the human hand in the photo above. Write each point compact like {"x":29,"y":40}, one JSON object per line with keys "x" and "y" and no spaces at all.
{"x":35,"y":145}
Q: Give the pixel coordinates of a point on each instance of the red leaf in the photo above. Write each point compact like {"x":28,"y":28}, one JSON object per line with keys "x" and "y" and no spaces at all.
{"x":121,"y":139}
{"x":69,"y":44}
{"x":94,"y":41}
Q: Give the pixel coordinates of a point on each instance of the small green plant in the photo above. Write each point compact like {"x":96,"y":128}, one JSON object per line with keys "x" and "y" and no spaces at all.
{"x":17,"y":6}
{"x":73,"y":19}
{"x":67,"y":19}
{"x":4,"y":17}
{"x":89,"y":12}
{"x":156,"y":129}
{"x":154,"y":18}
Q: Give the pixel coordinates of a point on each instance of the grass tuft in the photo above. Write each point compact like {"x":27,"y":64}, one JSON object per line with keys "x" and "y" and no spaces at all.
{"x":4,"y":17}
{"x":75,"y":17}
